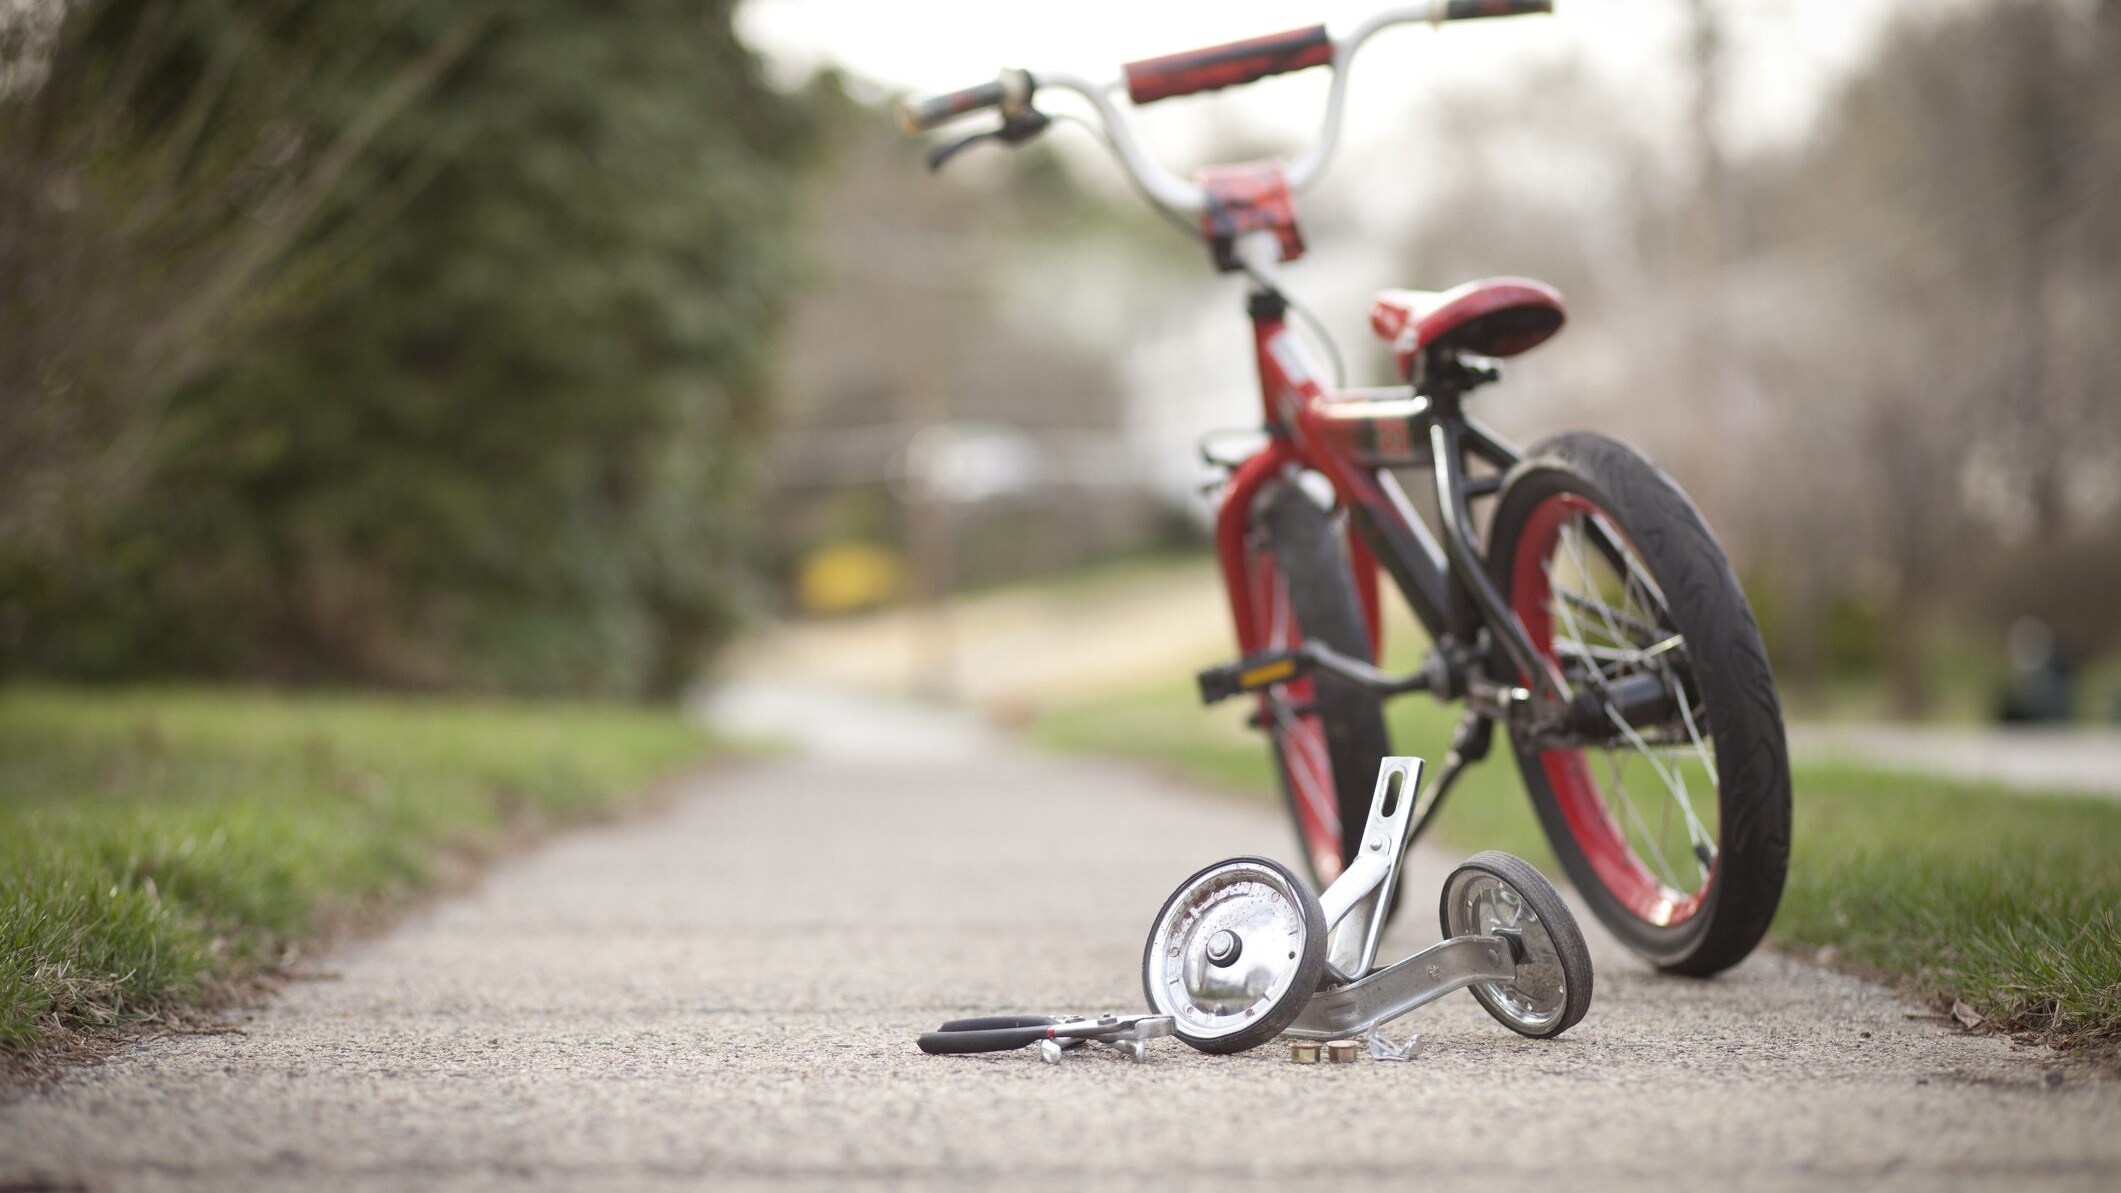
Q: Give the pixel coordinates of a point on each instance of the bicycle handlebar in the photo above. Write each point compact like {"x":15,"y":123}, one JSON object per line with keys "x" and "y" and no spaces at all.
{"x":1209,"y":69}
{"x":1012,"y":88}
{"x":918,"y":116}
{"x":1467,"y":10}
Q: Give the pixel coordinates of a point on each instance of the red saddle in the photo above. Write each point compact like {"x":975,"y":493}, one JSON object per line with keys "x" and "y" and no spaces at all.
{"x":1490,"y":317}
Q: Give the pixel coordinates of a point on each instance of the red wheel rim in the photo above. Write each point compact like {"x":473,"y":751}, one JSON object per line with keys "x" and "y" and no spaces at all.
{"x":1307,"y":765}
{"x":1584,"y":808}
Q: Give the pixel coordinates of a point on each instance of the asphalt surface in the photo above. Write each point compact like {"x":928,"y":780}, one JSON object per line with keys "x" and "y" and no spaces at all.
{"x":725,"y":995}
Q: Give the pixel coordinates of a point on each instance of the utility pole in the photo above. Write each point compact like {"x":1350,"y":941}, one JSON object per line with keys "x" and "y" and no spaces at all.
{"x":1707,"y":251}
{"x":924,"y":403}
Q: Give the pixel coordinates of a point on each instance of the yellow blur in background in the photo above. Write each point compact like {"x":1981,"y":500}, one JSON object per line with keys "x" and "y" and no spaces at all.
{"x":848,"y":577}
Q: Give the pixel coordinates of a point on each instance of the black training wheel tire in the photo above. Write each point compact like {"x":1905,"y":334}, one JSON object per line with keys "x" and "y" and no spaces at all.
{"x":1565,"y":950}
{"x":1313,"y":561}
{"x":1730,"y":667}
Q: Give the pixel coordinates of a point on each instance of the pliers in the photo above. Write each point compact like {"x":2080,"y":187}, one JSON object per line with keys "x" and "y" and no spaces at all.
{"x":1129,"y":1034}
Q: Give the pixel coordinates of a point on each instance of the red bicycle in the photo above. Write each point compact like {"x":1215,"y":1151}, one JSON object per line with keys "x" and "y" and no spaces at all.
{"x":1600,"y":623}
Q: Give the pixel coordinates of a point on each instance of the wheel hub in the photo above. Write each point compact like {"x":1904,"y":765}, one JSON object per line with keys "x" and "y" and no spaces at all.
{"x":1227,"y":950}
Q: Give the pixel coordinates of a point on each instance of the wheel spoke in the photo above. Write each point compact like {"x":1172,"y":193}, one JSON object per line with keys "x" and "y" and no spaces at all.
{"x":1568,"y":617}
{"x":1616,"y":655}
{"x":1642,"y":629}
{"x":1572,"y":537}
{"x":1636,"y":572}
{"x":1627,"y":800}
{"x":1675,"y":786}
{"x":1693,"y":731}
{"x":1608,"y":622}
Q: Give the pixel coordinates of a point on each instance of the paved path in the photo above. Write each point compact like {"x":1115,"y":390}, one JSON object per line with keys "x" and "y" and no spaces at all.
{"x":725,"y":995}
{"x":2073,"y":760}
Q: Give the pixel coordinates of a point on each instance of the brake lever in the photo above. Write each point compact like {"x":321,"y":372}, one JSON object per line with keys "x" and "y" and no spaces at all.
{"x":1015,"y":130}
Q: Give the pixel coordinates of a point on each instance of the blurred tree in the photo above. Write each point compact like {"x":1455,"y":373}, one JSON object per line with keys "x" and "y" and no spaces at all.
{"x":1952,"y":244}
{"x":1889,"y":383}
{"x":958,"y":297}
{"x":159,"y":165}
{"x":407,"y":344}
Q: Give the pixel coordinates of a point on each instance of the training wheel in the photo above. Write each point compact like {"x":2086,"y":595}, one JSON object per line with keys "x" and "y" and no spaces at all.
{"x":1495,"y":894}
{"x":1234,"y":955}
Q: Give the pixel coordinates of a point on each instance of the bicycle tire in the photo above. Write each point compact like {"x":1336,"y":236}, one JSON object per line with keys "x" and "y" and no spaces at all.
{"x":1310,"y":560}
{"x":1718,"y":924}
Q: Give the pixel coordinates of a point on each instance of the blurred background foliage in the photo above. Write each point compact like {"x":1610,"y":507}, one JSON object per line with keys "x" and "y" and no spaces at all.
{"x":388,"y":343}
{"x":529,"y":346}
{"x":1880,"y":356}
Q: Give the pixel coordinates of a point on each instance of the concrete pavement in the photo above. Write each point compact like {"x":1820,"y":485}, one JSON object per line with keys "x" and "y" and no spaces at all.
{"x":2073,"y":760}
{"x":725,"y":995}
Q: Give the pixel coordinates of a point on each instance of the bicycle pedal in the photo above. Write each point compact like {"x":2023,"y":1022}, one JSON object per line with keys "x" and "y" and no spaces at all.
{"x":1251,"y":674}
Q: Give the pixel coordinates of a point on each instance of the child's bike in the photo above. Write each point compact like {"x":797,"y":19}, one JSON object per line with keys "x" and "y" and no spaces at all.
{"x":1599,"y":622}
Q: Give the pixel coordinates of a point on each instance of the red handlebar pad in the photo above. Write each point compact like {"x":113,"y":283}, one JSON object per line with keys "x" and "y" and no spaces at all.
{"x":1227,"y":65}
{"x":1467,"y":10}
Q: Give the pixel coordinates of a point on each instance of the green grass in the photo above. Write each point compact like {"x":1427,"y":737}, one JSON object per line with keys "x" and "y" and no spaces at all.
{"x":158,"y":844}
{"x":2008,"y":900}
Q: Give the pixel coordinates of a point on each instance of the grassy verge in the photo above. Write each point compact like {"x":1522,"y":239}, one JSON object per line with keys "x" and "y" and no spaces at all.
{"x":158,"y":845}
{"x":2007,"y":900}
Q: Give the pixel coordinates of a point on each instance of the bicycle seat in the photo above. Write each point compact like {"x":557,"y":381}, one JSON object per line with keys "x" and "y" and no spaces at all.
{"x":1489,"y":317}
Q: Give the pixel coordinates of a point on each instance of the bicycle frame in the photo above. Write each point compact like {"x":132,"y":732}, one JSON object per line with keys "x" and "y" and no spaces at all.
{"x":1561,"y":692}
{"x":1354,"y":439}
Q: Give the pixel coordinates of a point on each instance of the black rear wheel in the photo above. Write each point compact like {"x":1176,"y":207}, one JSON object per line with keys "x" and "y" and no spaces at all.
{"x":1673,"y":821}
{"x":1328,"y":734}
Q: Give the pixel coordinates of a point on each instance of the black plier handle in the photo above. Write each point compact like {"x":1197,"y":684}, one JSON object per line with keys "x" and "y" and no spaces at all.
{"x":988,"y":1033}
{"x":1001,"y":1033}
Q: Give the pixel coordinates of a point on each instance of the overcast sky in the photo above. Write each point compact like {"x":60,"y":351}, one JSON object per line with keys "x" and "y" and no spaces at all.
{"x":1784,"y":54}
{"x":1783,"y":59}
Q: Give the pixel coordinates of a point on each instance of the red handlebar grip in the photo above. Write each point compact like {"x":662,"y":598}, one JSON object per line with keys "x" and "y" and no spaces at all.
{"x":1152,"y":79}
{"x":1466,"y":10}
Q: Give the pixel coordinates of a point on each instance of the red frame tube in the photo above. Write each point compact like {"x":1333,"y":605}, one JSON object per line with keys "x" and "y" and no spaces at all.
{"x":1289,"y":396}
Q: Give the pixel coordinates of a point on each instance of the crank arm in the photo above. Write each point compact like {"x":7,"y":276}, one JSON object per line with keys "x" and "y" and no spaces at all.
{"x":1258,"y":672}
{"x":1421,"y":979}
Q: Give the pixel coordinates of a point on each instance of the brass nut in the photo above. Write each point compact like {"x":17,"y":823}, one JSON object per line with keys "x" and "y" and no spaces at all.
{"x":1304,"y":1052}
{"x":1341,"y":1052}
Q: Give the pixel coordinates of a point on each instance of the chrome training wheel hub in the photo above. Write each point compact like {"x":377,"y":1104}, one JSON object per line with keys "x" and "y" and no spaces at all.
{"x":1227,"y":950}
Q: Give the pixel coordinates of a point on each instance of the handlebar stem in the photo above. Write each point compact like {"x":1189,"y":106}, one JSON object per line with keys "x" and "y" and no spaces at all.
{"x":1188,"y":198}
